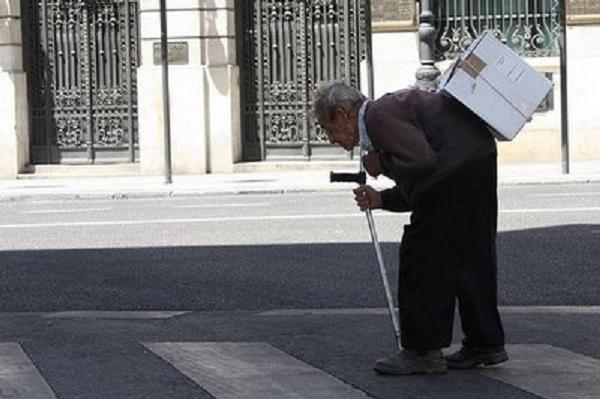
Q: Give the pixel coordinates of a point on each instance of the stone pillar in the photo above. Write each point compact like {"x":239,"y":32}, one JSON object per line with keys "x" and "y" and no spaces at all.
{"x":204,"y":89}
{"x":14,"y":134}
{"x":222,"y":85}
{"x":428,"y":72}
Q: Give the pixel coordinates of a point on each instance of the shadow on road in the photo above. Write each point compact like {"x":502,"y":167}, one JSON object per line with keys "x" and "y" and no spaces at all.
{"x":543,"y":266}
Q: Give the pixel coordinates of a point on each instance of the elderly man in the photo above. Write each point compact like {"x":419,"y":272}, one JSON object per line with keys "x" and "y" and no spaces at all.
{"x":443,"y":161}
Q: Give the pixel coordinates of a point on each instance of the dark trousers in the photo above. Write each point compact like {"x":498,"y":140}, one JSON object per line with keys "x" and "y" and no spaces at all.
{"x":448,"y":253}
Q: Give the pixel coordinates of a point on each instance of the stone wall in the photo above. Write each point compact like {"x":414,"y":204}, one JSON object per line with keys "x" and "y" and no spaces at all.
{"x":583,"y":11}
{"x":14,"y":139}
{"x":204,"y":87}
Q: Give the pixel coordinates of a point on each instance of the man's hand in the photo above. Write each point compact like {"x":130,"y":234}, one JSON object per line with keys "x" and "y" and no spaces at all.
{"x":372,"y":163}
{"x":367,"y":198}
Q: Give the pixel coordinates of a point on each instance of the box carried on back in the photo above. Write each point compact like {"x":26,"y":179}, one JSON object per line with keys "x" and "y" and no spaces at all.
{"x":497,"y":85}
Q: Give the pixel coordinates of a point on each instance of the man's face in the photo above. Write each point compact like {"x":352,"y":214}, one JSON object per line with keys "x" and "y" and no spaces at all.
{"x":342,"y":129}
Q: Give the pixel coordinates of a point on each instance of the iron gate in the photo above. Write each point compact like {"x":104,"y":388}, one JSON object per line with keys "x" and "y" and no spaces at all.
{"x":81,"y":58}
{"x":529,"y":27}
{"x":288,"y":47}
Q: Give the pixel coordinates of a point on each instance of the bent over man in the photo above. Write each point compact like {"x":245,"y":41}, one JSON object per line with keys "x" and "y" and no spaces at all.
{"x":443,"y":161}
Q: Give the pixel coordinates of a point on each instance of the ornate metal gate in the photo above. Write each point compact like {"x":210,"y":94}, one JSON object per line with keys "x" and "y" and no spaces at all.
{"x":529,"y":27}
{"x":81,"y":60}
{"x":287,"y":47}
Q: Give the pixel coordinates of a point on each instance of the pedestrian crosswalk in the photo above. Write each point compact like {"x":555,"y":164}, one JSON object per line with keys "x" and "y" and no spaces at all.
{"x":257,"y":370}
{"x":19,"y":378}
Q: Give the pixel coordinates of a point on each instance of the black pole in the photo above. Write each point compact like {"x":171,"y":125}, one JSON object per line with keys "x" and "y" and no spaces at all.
{"x":564,"y":109}
{"x":369,"y":39}
{"x":165,"y":79}
{"x":427,"y":73}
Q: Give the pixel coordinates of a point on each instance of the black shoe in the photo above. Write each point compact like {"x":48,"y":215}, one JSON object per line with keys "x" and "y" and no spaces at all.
{"x":410,"y":362}
{"x":467,"y":358}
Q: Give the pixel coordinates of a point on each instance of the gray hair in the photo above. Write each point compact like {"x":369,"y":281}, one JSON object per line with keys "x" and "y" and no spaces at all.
{"x":335,"y":94}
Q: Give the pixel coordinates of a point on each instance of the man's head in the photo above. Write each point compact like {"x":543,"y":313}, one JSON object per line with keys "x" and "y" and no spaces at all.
{"x":336,"y":107}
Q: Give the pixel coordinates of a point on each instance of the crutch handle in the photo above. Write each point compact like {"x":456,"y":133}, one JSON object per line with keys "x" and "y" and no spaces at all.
{"x":360,"y":177}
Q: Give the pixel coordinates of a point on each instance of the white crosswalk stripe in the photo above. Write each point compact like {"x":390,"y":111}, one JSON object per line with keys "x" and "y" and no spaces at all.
{"x":549,"y":372}
{"x":19,"y":378}
{"x":231,"y":370}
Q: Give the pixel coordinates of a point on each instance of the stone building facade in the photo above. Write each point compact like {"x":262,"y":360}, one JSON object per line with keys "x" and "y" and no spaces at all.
{"x":119,"y":119}
{"x":540,"y":140}
{"x":204,"y":85}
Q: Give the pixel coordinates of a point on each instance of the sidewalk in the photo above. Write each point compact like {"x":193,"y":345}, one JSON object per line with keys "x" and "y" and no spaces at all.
{"x":276,"y":182}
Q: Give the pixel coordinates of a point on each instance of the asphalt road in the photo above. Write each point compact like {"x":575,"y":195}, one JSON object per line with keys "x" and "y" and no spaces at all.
{"x":226,"y":260}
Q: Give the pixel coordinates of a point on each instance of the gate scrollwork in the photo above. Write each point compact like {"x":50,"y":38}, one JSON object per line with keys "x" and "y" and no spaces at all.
{"x":81,"y":62}
{"x":287,"y":48}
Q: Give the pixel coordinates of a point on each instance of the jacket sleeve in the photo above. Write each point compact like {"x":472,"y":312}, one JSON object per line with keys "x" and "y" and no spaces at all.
{"x":405,"y":153}
{"x":394,"y":200}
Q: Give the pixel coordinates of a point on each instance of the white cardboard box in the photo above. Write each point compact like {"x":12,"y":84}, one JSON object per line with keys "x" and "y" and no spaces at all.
{"x":496,"y":84}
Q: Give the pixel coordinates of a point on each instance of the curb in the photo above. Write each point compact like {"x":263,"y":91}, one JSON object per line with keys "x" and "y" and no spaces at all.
{"x":548,"y":181}
{"x":121,"y":195}
{"x":183,"y":193}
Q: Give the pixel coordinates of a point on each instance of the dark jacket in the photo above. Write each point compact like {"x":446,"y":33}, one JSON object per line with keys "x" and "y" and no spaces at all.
{"x":422,"y":138}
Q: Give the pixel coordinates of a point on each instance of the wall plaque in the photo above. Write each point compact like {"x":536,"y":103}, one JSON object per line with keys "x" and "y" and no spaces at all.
{"x":583,"y":7}
{"x":406,"y":9}
{"x":393,"y":14}
{"x":177,"y":53}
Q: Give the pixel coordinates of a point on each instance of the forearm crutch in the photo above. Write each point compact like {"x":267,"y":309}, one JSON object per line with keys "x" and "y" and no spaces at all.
{"x":361,"y":178}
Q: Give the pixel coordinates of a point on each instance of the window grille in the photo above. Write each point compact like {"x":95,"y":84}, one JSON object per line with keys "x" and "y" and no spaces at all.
{"x":529,"y":27}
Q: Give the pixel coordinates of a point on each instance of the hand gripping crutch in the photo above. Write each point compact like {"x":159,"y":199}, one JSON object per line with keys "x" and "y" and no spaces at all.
{"x":361,"y":178}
